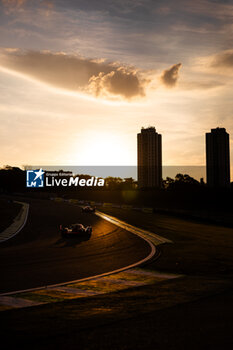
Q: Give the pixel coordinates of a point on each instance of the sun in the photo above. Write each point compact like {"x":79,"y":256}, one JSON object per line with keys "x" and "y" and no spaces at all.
{"x":102,"y":149}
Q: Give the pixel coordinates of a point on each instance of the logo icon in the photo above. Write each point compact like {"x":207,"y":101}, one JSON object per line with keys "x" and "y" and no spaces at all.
{"x":35,"y":178}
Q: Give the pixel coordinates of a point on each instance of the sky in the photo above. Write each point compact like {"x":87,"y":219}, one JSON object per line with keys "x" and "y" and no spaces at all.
{"x":78,"y":79}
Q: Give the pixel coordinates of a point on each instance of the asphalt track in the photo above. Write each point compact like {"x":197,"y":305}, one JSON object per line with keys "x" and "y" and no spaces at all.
{"x":38,"y":256}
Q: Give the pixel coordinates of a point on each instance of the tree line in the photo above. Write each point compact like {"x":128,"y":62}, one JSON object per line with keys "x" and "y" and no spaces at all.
{"x":13,"y":179}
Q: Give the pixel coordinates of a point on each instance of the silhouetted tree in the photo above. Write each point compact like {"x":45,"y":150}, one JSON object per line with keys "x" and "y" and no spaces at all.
{"x":186,"y":179}
{"x":113,"y":183}
{"x":129,"y":183}
{"x":168,"y":182}
{"x":181,"y":181}
{"x":12,"y":179}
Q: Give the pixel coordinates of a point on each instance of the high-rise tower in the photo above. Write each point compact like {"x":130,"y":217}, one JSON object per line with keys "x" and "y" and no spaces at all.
{"x":218,"y":158}
{"x":149,"y":158}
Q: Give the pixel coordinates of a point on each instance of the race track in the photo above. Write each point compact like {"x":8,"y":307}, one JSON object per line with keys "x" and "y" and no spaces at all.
{"x":38,"y":256}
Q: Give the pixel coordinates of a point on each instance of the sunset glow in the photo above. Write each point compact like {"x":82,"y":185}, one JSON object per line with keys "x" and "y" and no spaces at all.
{"x":78,"y":81}
{"x":100,"y":148}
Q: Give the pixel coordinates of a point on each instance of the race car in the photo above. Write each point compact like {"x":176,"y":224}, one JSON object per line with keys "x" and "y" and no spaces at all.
{"x":88,"y":209}
{"x":76,"y":230}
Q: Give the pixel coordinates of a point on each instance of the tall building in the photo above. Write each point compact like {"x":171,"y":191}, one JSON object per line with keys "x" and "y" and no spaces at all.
{"x":149,"y":158}
{"x":218,"y":158}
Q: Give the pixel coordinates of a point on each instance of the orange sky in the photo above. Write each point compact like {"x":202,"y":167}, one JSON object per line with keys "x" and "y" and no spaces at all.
{"x":79,"y":81}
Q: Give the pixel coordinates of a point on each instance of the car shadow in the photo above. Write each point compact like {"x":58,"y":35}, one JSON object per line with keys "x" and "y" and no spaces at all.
{"x":72,"y":241}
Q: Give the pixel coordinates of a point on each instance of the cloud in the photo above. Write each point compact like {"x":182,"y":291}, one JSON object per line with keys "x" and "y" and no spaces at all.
{"x":12,"y":3}
{"x":75,"y":73}
{"x":223,"y":59}
{"x":170,"y":76}
{"x":12,"y":6}
{"x":219,"y":63}
{"x":118,"y":82}
{"x":218,"y":9}
{"x":201,"y":85}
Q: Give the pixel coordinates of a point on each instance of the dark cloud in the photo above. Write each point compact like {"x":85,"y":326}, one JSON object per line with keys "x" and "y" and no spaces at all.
{"x":118,"y":82}
{"x":113,"y":6}
{"x":170,"y":76}
{"x":13,"y":6}
{"x":219,"y":9}
{"x":21,"y":3}
{"x":76,"y":73}
{"x":223,"y":59}
{"x":14,"y":3}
